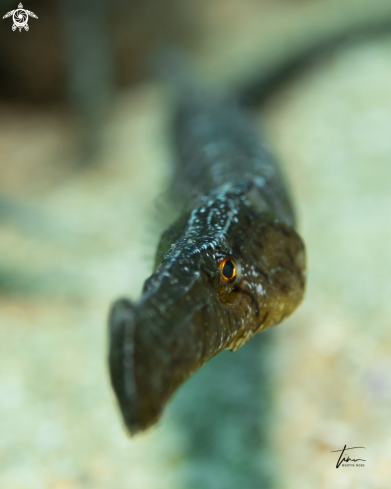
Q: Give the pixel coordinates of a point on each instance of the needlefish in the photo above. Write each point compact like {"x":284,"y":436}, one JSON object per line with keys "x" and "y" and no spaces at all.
{"x":233,"y":265}
{"x":230,"y":267}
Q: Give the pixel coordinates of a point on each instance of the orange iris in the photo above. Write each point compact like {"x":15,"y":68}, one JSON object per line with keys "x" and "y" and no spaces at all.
{"x":228,"y":270}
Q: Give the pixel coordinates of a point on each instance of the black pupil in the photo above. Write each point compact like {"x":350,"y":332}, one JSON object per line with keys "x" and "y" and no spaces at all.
{"x":228,"y":269}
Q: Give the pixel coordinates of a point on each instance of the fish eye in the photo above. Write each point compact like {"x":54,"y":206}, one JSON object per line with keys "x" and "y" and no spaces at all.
{"x":228,"y":270}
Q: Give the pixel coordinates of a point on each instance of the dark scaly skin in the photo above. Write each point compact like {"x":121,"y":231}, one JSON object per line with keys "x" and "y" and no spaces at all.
{"x":238,"y":210}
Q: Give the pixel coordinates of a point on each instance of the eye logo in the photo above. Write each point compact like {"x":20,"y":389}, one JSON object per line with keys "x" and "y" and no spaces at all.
{"x":20,"y":17}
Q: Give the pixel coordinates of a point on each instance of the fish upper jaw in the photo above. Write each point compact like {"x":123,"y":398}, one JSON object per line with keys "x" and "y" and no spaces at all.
{"x":156,"y":344}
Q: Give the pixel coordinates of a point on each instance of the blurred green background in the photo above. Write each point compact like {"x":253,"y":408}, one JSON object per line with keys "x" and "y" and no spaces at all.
{"x":85,"y":164}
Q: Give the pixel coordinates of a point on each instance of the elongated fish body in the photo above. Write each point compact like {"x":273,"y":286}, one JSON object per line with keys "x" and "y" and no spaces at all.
{"x":230,"y":267}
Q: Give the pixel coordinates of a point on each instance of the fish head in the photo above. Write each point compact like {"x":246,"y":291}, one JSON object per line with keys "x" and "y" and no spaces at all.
{"x":224,"y":273}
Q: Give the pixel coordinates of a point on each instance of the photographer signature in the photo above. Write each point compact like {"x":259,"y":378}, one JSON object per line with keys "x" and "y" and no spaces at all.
{"x":348,"y":459}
